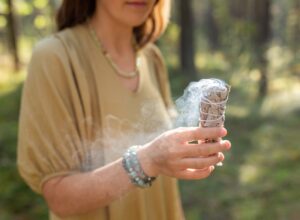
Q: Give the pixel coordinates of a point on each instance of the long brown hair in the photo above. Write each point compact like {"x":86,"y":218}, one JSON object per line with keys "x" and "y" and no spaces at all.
{"x":74,"y":12}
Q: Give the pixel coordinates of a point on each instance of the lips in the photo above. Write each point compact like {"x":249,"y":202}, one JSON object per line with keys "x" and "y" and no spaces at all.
{"x":136,"y":3}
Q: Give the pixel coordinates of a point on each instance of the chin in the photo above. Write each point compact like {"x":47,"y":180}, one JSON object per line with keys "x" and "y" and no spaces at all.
{"x":135,"y":21}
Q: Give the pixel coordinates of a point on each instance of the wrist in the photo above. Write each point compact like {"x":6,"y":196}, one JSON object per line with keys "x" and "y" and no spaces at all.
{"x":132,"y":165}
{"x":147,"y":162}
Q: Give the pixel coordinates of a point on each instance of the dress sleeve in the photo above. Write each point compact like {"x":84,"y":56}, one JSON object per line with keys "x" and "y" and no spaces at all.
{"x":163,"y":79}
{"x":49,"y":141}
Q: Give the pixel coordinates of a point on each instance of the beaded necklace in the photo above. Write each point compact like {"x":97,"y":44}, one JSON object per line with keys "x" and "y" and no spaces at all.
{"x":118,"y":71}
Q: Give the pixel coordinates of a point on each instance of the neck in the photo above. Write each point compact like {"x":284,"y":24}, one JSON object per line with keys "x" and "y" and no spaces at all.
{"x":115,"y":37}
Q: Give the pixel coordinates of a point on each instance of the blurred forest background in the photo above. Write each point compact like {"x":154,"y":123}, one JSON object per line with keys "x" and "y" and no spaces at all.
{"x":251,"y":44}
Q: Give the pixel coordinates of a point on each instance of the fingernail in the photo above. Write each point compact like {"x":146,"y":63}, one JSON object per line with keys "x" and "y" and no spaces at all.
{"x":224,"y":132}
{"x":227,"y":144}
{"x":220,"y":156}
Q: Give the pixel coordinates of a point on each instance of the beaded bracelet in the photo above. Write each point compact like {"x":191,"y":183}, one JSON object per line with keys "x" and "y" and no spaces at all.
{"x":133,"y":168}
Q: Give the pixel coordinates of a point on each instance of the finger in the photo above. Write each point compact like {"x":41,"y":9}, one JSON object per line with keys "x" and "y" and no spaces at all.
{"x":205,"y":149}
{"x":196,"y":133}
{"x":200,"y":163}
{"x":191,"y":174}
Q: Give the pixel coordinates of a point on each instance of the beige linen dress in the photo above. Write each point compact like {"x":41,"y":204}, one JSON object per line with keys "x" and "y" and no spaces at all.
{"x":77,"y":116}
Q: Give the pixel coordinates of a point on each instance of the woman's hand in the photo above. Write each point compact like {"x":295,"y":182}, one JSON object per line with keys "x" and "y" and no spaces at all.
{"x":172,"y":154}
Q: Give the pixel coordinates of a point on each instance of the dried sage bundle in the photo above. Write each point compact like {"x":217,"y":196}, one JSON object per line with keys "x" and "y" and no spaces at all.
{"x":213,"y":99}
{"x":203,"y":104}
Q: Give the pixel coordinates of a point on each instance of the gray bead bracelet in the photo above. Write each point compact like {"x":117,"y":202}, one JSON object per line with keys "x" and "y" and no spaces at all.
{"x":134,"y":169}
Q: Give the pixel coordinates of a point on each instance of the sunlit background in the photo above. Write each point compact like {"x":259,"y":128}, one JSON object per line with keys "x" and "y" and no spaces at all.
{"x":251,"y":44}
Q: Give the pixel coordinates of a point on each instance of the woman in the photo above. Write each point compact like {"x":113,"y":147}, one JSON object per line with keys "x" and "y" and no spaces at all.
{"x":94,"y":89}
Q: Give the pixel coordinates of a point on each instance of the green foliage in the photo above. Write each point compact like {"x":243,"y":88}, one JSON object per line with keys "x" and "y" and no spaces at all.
{"x":260,"y":176}
{"x":16,"y":200}
{"x":3,"y":7}
{"x":24,"y":8}
{"x":40,"y":4}
{"x":41,"y":22}
{"x":3,"y":21}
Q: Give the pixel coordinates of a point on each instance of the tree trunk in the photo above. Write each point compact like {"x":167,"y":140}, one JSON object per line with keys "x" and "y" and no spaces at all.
{"x":238,"y":8}
{"x":295,"y":32}
{"x":258,"y":13}
{"x":211,"y":27}
{"x":262,"y":20}
{"x":187,"y":42}
{"x":12,"y":34}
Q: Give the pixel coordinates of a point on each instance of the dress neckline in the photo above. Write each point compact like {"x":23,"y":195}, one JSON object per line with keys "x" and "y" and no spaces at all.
{"x":113,"y":74}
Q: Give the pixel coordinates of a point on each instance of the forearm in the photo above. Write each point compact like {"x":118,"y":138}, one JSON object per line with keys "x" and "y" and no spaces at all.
{"x":83,"y":192}
{"x":169,"y":154}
